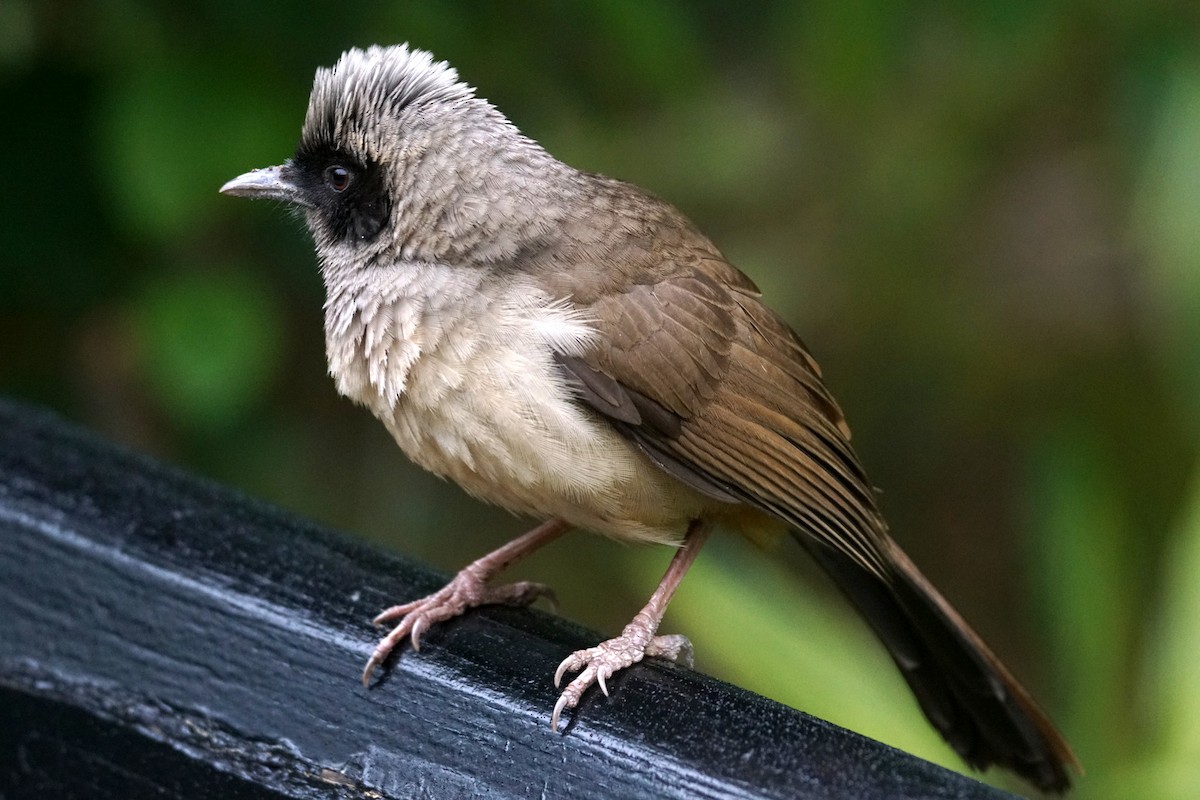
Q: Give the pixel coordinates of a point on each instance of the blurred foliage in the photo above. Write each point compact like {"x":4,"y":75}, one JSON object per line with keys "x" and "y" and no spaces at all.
{"x":985,"y":219}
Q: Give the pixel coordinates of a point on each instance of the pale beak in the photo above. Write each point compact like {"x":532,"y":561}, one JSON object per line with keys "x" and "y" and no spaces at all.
{"x":269,"y":183}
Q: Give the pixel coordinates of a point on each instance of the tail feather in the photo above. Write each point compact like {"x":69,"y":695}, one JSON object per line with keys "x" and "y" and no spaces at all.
{"x":964,"y":690}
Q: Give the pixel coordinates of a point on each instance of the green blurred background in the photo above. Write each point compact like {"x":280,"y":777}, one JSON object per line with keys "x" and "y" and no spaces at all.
{"x":984,"y":219}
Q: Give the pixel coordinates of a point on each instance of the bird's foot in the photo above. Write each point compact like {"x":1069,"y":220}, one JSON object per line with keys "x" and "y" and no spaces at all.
{"x":467,"y":590}
{"x":600,"y":662}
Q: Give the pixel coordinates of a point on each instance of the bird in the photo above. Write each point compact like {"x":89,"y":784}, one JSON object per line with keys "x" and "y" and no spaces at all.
{"x":572,"y":348}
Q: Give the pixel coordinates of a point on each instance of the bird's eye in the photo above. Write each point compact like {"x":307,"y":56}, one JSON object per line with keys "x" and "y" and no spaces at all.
{"x":338,"y":177}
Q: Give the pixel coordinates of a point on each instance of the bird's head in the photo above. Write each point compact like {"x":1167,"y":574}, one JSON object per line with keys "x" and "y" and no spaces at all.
{"x":398,"y":160}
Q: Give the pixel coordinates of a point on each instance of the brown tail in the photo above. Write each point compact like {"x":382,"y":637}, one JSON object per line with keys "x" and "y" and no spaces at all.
{"x":964,"y":690}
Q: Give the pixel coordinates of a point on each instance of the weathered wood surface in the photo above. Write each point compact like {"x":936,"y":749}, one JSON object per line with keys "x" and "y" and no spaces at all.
{"x":161,"y":636}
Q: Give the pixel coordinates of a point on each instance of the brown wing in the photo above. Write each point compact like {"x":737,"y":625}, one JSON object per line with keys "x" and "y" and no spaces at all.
{"x":693,"y":369}
{"x":713,"y":387}
{"x":718,"y":391}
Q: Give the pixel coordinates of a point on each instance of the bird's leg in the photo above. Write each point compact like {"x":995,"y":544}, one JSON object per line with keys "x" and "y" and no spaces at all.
{"x":466,"y":590}
{"x":638,"y":639}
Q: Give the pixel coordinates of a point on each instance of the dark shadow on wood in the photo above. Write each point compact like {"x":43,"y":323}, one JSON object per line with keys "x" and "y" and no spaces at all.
{"x":161,"y":636}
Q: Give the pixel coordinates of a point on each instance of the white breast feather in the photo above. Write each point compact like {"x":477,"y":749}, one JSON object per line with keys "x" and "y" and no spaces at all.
{"x":465,"y":382}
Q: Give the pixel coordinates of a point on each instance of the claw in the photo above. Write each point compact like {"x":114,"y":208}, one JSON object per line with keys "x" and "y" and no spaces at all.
{"x":419,"y":627}
{"x":600,"y":680}
{"x":563,"y":669}
{"x":366,"y":676}
{"x":558,"y":709}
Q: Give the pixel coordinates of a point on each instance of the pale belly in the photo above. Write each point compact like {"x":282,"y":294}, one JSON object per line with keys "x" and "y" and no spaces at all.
{"x":521,"y":444}
{"x":466,"y":384}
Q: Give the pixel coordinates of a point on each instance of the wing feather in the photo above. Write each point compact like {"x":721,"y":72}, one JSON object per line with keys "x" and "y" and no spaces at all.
{"x":718,"y":391}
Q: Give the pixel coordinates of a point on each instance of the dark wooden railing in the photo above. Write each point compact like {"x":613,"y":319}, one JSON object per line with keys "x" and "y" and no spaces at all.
{"x":164,"y":637}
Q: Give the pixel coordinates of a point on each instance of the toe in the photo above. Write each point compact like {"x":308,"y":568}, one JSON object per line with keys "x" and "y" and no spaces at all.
{"x":569,"y":664}
{"x":674,"y":647}
{"x":393,"y":613}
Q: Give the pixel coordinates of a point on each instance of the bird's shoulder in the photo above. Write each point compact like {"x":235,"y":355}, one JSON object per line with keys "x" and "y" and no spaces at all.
{"x":675,"y":320}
